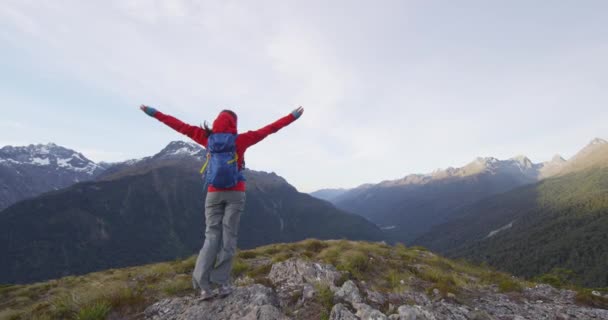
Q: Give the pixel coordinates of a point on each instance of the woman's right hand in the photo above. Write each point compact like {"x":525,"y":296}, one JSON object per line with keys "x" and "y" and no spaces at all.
{"x":148,"y":110}
{"x":297,"y":112}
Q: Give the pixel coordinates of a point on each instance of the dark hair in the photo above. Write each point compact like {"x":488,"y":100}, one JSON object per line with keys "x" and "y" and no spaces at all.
{"x":205,"y":127}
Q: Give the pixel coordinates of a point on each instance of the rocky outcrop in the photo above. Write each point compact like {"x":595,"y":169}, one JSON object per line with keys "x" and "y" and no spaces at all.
{"x":295,"y":291}
{"x":349,"y":293}
{"x":297,"y":278}
{"x":255,"y":302}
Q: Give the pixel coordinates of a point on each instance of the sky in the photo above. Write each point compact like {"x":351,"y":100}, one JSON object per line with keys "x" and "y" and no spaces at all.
{"x":389,"y":88}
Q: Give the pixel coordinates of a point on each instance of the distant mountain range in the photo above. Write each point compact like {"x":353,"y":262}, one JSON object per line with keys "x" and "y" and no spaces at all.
{"x":149,"y":210}
{"x":328,"y":194}
{"x":410,"y":206}
{"x":514,"y":214}
{"x":28,"y":171}
{"x":560,"y":222}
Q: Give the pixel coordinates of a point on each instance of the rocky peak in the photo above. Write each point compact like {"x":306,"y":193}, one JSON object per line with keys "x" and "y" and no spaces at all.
{"x":597,"y":141}
{"x":523,"y":161}
{"x":181,"y":149}
{"x":48,"y":155}
{"x":557,"y":159}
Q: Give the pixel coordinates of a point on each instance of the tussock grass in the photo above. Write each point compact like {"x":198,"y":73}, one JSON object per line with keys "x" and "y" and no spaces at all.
{"x":97,"y":311}
{"x":509,"y":285}
{"x":239,"y":267}
{"x":585,"y":297}
{"x":325,"y":298}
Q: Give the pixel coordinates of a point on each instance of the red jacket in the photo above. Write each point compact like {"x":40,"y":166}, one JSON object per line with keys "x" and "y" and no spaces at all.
{"x":225,"y":123}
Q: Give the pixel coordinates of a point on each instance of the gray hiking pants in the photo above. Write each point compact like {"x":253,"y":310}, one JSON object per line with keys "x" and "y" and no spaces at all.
{"x":222,"y":216}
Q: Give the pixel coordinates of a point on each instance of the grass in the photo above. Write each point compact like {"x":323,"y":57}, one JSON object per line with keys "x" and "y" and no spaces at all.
{"x":586,"y":297}
{"x":97,"y":311}
{"x":509,"y":285}
{"x":124,"y":293}
{"x":239,"y":267}
{"x":325,"y":298}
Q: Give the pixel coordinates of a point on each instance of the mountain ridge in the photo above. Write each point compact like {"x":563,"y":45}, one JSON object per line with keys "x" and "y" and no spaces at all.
{"x":153,"y":212}
{"x":28,"y":171}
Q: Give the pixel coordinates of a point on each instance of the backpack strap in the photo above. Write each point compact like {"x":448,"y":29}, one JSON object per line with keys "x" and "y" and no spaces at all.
{"x":235,"y":159}
{"x":206,"y":163}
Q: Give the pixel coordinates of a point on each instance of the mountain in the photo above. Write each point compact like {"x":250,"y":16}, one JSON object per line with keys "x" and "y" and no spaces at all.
{"x":591,"y":156}
{"x":311,"y":279}
{"x":560,"y":222}
{"x":174,"y":153}
{"x":153,"y":211}
{"x":328,"y":194}
{"x":28,"y":171}
{"x":408,"y":207}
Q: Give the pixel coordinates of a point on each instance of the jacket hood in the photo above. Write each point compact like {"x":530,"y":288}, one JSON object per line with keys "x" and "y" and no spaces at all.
{"x":224,"y":123}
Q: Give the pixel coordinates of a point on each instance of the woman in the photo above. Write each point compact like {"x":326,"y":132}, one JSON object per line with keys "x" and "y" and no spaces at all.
{"x":223,"y":205}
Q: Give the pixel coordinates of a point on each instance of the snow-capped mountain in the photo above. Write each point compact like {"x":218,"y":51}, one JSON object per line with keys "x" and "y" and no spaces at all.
{"x":48,"y":155}
{"x":181,"y":149}
{"x":28,"y":171}
{"x":174,"y":151}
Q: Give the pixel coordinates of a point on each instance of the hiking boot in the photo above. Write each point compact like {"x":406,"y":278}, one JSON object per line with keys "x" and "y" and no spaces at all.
{"x":224,"y":290}
{"x":207,"y":294}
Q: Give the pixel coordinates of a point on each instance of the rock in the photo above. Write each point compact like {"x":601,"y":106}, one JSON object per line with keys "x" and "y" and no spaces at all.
{"x":366,"y":312}
{"x":308,"y":292}
{"x":596,"y":293}
{"x":479,"y":315}
{"x":296,"y":272}
{"x":407,"y":312}
{"x":556,"y":304}
{"x":348,"y":292}
{"x":410,"y":297}
{"x":340,"y":312}
{"x":375,"y":297}
{"x":295,"y":282}
{"x":244,"y":281}
{"x":255,"y":302}
{"x":295,"y":277}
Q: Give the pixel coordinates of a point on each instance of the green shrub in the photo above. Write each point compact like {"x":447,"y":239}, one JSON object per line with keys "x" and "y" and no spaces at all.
{"x":314,"y":245}
{"x":353,"y":261}
{"x":394,"y":278}
{"x":247,"y":254}
{"x":260,"y":271}
{"x":96,"y":311}
{"x":558,"y":277}
{"x":64,"y":306}
{"x":324,"y":296}
{"x":508,"y":284}
{"x":239,"y":267}
{"x":585,"y":297}
{"x":281,"y":257}
{"x":185,"y":266}
{"x":329,"y":255}
{"x":177,"y":285}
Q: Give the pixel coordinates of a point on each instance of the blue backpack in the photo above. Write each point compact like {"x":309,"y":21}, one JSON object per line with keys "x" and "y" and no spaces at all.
{"x":221,"y":169}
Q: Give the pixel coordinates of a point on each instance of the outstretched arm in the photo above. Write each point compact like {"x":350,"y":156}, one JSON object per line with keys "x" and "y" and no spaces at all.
{"x":250,"y":138}
{"x":195,"y":133}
